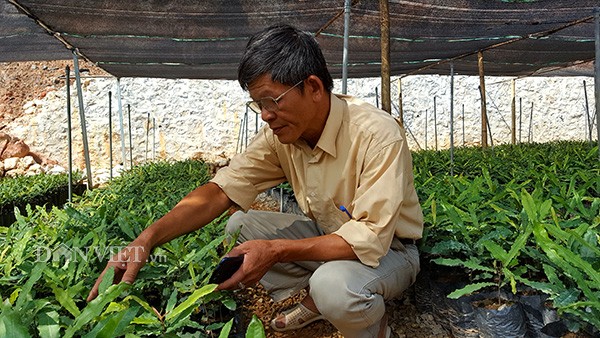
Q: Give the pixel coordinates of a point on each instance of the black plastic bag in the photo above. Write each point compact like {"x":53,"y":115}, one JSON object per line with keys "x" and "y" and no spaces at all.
{"x":538,"y":316}
{"x":507,"y":321}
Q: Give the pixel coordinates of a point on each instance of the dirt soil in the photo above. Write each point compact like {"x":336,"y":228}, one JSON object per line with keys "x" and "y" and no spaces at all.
{"x":21,"y":82}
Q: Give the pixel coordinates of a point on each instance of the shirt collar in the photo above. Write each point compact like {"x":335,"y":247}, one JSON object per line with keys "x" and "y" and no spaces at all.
{"x":327,"y":141}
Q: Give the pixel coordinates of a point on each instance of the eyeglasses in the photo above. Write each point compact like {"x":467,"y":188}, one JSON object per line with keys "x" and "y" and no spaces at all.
{"x":269,"y":103}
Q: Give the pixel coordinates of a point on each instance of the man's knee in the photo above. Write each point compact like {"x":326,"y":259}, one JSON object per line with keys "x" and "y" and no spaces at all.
{"x":235,"y":222}
{"x":340,"y":302}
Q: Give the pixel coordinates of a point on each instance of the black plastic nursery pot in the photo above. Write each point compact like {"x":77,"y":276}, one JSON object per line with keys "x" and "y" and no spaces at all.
{"x":56,"y":197}
{"x":486,"y":314}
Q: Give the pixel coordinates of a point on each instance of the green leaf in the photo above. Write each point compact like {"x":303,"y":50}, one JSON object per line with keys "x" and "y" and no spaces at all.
{"x":496,"y":250}
{"x":124,"y":225}
{"x":469,"y":289}
{"x":25,"y":293}
{"x":143,"y":303}
{"x":471,"y":263}
{"x":255,"y":328}
{"x":48,"y":324}
{"x":226,"y":329}
{"x":566,"y":298}
{"x":107,"y":280}
{"x":11,"y":325}
{"x":190,"y":303}
{"x":113,"y":325}
{"x":95,"y":307}
{"x":230,"y":304}
{"x":172,"y":301}
{"x":65,"y":300}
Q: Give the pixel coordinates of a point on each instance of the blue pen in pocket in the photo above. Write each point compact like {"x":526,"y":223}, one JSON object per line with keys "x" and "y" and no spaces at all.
{"x":343,"y":208}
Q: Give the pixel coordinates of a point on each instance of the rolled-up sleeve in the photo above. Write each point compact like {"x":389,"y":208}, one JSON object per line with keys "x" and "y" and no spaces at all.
{"x":250,"y":172}
{"x":384,"y":201}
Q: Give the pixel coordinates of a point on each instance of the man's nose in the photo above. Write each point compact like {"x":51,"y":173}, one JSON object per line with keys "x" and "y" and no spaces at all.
{"x":267,"y":115}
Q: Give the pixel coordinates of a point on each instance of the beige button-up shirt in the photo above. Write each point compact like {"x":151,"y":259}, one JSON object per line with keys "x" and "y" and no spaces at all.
{"x":361,"y":162}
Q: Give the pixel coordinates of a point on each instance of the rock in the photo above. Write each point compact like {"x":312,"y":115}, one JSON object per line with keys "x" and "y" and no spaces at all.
{"x":4,"y":140}
{"x":101,"y":176}
{"x":25,"y":162}
{"x":17,"y":148}
{"x":11,"y":163}
{"x":55,"y":170}
{"x":1,"y":169}
{"x":14,"y":173}
{"x":35,"y":169}
{"x":117,"y":170}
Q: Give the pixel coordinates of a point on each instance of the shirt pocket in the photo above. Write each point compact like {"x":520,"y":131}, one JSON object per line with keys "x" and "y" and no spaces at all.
{"x":331,"y":218}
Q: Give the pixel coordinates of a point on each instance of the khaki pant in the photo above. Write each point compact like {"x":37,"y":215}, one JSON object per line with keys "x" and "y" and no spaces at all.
{"x":347,"y":293}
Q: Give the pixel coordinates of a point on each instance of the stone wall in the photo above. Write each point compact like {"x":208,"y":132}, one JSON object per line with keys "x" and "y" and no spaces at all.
{"x":16,"y":159}
{"x":177,"y":119}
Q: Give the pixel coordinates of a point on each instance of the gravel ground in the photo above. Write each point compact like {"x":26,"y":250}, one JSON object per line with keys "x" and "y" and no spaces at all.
{"x":404,"y":318}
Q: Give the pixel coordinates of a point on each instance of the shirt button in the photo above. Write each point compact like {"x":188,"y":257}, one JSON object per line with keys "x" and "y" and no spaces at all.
{"x":312,"y":194}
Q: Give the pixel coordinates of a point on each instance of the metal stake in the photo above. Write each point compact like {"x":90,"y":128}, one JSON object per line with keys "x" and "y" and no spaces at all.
{"x":425,"y":129}
{"x":147,"y":136}
{"x":520,"y":117}
{"x":463,"y":124}
{"x":513,"y":106}
{"x":597,"y":75}
{"x":435,"y":123}
{"x":69,"y":136}
{"x":345,"y":54}
{"x":130,"y":139}
{"x":153,"y":139}
{"x":86,"y":150}
{"x":246,"y":118}
{"x":120,"y":105}
{"x":530,"y":133}
{"x":451,"y":119}
{"x":110,"y":141}
{"x":588,"y":121}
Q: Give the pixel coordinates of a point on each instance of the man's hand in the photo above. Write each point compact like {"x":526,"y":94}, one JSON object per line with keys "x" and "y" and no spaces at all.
{"x":259,"y":256}
{"x":127,"y":263}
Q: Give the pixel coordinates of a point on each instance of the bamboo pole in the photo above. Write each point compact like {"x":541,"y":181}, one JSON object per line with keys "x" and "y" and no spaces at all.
{"x":484,"y":136}
{"x":86,"y":148}
{"x":514,"y":113}
{"x":384,"y":15}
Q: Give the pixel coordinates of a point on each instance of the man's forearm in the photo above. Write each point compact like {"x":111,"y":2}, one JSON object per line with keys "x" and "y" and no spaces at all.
{"x":194,"y":211}
{"x":320,"y":248}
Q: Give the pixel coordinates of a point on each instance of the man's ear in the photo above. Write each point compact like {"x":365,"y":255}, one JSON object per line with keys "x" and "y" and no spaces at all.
{"x":313,"y":86}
